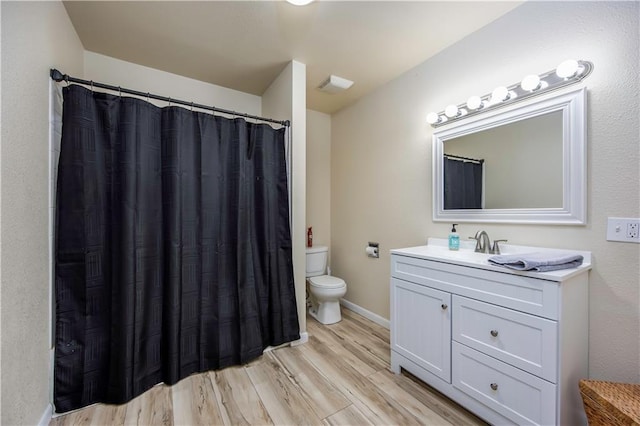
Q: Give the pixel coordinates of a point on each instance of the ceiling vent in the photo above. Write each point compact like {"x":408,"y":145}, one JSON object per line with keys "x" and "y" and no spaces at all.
{"x":335,"y":84}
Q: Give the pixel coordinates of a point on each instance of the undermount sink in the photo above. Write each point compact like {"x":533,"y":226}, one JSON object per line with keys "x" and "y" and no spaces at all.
{"x":463,"y":254}
{"x":438,"y":248}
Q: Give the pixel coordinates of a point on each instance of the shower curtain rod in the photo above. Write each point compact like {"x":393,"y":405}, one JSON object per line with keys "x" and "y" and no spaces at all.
{"x":59,"y":76}
{"x":464,"y":158}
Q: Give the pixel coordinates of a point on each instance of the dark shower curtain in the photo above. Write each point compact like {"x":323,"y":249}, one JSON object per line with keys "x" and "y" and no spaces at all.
{"x":462,"y":184}
{"x":173,"y":248}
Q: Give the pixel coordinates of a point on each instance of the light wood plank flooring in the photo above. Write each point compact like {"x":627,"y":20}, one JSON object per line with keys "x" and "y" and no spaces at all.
{"x":340,"y":377}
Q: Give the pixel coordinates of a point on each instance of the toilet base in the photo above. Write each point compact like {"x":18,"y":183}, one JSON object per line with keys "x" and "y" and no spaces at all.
{"x":326,"y":312}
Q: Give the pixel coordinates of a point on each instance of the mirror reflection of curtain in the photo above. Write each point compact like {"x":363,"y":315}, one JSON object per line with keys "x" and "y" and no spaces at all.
{"x":462,"y":184}
{"x":173,"y":251}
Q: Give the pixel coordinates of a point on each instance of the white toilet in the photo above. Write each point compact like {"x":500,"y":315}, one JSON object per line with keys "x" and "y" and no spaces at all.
{"x":325,"y":290}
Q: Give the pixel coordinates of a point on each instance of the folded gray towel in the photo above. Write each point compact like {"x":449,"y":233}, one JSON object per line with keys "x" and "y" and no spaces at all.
{"x":540,"y":262}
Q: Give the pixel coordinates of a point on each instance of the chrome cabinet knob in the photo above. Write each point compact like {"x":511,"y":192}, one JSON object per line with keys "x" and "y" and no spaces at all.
{"x":494,"y":333}
{"x":444,"y":306}
{"x":494,"y":386}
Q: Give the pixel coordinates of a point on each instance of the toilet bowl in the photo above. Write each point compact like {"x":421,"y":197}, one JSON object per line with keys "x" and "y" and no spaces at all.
{"x":325,"y":290}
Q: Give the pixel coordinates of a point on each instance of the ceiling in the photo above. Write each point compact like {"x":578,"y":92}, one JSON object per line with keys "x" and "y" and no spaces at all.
{"x":244,"y":45}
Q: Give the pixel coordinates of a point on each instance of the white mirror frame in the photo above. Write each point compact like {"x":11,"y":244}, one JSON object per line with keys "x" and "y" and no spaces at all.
{"x":574,"y":165}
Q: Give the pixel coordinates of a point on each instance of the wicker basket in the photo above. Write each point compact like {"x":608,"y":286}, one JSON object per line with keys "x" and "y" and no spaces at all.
{"x":610,"y":404}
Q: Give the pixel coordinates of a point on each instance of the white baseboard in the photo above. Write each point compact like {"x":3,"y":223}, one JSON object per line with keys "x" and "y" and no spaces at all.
{"x":304,"y":338}
{"x":46,"y":416}
{"x":365,"y":313}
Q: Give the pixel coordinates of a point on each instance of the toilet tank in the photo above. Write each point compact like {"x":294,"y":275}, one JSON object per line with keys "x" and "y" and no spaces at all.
{"x":316,"y":260}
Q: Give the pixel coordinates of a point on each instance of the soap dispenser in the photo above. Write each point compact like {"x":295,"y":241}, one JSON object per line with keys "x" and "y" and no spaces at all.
{"x":454,"y":239}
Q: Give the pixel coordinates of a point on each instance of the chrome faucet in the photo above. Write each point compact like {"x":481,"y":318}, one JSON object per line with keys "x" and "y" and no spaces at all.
{"x":483,"y":243}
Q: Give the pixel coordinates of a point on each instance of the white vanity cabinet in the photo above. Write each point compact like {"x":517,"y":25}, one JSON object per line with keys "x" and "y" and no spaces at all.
{"x":509,"y":346}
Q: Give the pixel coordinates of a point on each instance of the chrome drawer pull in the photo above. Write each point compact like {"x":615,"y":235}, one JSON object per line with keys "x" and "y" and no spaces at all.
{"x":494,"y":333}
{"x":494,"y":386}
{"x":444,"y":306}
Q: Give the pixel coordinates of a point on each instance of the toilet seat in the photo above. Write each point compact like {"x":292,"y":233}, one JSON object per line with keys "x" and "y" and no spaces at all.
{"x":326,"y":281}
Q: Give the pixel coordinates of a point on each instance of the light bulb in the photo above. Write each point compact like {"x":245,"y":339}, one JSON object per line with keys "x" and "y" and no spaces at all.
{"x":474,"y":102}
{"x":499,"y":94}
{"x":530,"y":83}
{"x":451,"y":111}
{"x":299,"y":2}
{"x":432,"y":118}
{"x":567,"y":69}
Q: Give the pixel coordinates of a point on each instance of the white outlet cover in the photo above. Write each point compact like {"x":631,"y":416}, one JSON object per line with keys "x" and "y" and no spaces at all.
{"x":618,"y":229}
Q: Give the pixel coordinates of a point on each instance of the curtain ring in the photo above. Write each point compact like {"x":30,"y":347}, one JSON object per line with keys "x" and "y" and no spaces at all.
{"x":92,"y":85}
{"x":147,"y":96}
{"x":169,"y":102}
{"x":119,"y":91}
{"x":66,"y":79}
{"x":191,"y":106}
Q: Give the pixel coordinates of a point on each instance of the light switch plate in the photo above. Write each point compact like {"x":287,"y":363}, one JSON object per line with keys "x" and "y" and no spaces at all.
{"x":624,"y":229}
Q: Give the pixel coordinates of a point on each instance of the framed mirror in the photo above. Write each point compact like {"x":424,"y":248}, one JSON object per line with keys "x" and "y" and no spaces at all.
{"x":524,"y":164}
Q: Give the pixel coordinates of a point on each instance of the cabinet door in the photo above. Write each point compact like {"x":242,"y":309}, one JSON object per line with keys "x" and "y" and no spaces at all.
{"x":421,"y":326}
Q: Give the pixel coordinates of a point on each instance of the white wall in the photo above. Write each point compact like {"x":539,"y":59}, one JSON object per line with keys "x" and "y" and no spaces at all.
{"x":381,"y":160}
{"x":286,"y":99}
{"x":319,"y":176}
{"x":36,"y":36}
{"x":137,"y":77}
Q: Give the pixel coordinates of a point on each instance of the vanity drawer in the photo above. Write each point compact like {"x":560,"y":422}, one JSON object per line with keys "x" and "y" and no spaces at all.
{"x":535,"y":296}
{"x":522,"y":340}
{"x":516,"y":395}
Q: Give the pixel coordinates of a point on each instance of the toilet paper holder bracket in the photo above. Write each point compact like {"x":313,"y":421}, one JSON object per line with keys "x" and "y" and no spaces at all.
{"x":373,"y":250}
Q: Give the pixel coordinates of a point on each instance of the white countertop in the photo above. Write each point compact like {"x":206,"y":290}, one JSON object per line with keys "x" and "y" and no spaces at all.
{"x":437,"y":249}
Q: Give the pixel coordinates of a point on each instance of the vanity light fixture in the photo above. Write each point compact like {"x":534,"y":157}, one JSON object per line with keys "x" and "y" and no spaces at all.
{"x":451,"y":111}
{"x":433,"y":118}
{"x":532,"y":82}
{"x":567,"y":73}
{"x":475,"y":102}
{"x":499,"y":94}
{"x":568,"y":69}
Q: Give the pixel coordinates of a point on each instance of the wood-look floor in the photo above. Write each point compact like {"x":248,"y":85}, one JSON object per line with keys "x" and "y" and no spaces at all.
{"x":340,"y":377}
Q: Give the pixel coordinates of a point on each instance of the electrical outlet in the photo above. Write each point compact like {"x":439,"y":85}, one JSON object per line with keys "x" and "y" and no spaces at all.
{"x":623,"y":229}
